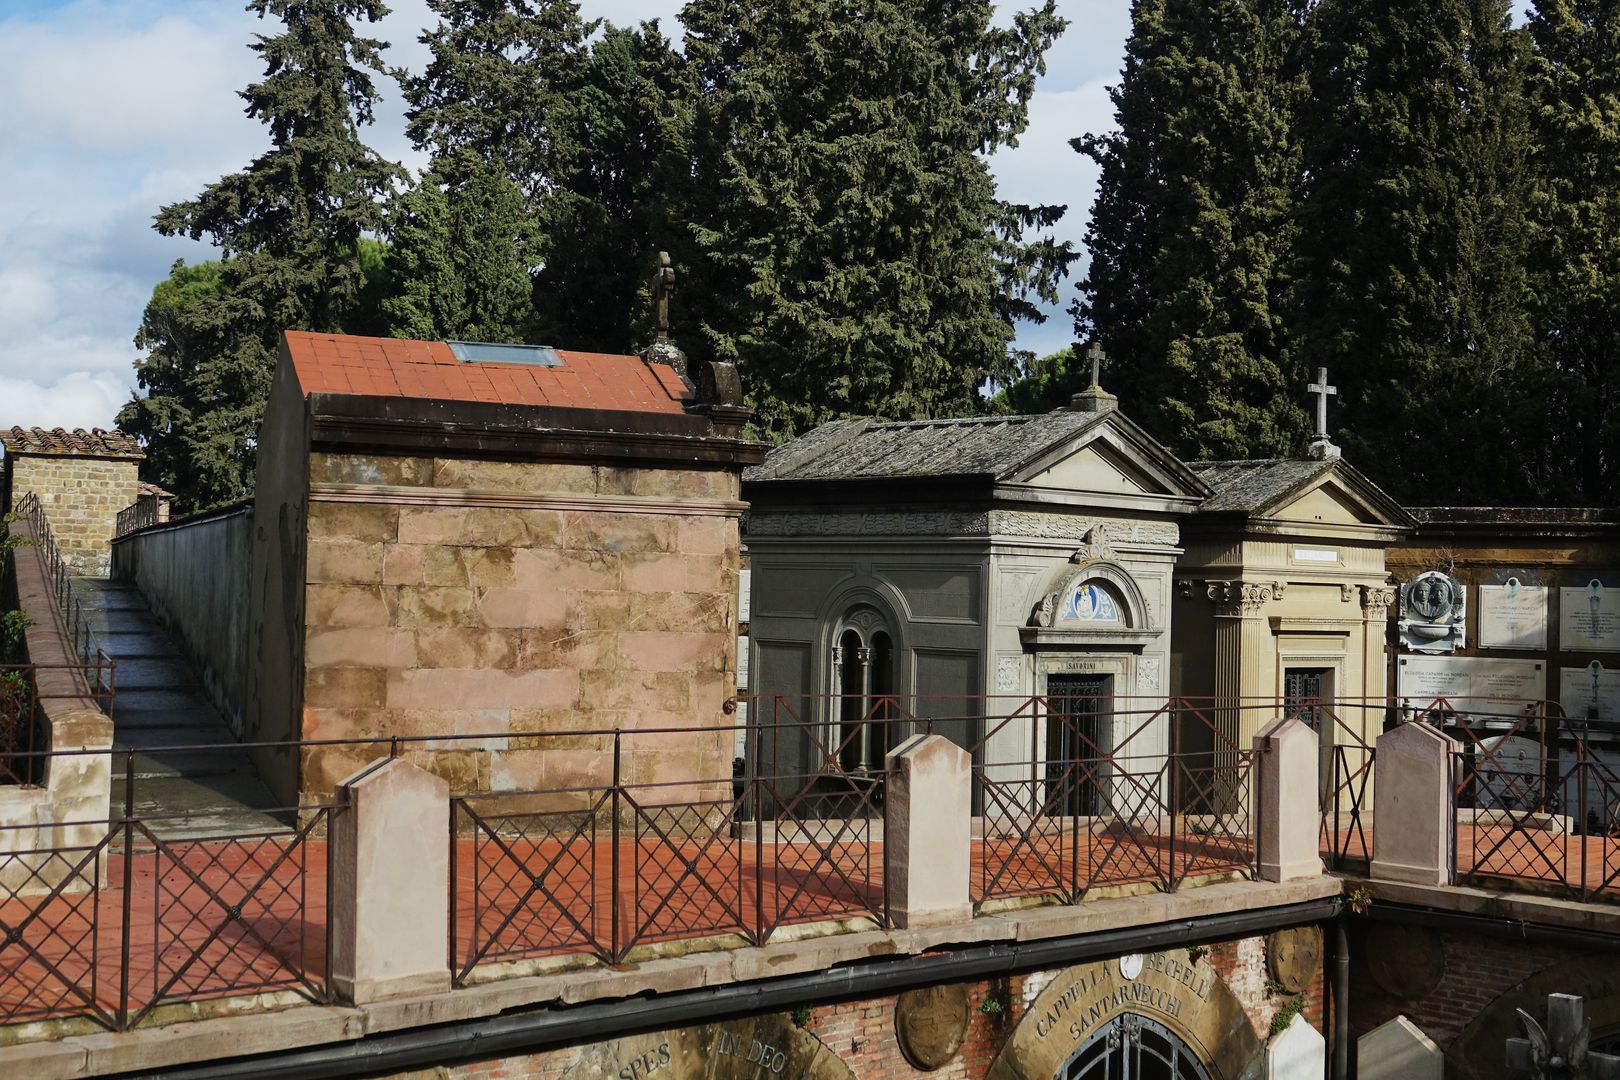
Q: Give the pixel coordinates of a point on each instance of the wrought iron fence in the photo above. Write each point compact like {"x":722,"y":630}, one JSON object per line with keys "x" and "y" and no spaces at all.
{"x":1104,"y":795}
{"x":111,"y":923}
{"x":1552,"y":824}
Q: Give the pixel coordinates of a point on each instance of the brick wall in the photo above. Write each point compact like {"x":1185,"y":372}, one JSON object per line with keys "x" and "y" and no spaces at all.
{"x":862,"y":1034}
{"x":448,"y":595}
{"x":81,"y":496}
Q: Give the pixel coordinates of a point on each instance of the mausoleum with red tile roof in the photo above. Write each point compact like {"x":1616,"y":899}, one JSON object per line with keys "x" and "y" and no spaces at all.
{"x":455,"y":536}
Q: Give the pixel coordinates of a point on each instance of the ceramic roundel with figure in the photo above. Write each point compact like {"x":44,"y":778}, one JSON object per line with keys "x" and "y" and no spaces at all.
{"x":1090,"y":602}
{"x":1433,"y":611}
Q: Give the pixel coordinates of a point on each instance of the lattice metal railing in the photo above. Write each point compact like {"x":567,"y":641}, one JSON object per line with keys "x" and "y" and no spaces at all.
{"x":100,"y":668}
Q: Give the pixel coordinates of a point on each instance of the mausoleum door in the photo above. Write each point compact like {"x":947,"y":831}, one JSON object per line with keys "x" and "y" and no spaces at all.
{"x":1132,"y":1047}
{"x":863,"y":665}
{"x":1308,"y":696}
{"x":1078,"y":710}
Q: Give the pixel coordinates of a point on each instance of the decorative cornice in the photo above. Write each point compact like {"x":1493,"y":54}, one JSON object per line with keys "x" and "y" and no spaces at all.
{"x":406,"y":495}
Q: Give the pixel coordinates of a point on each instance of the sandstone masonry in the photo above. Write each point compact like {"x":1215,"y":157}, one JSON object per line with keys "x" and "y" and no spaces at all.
{"x":83,"y":478}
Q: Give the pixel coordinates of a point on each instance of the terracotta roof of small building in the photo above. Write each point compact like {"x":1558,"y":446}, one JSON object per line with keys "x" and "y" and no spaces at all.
{"x":142,"y":488}
{"x":558,"y":378}
{"x":971,"y":446}
{"x":97,"y":442}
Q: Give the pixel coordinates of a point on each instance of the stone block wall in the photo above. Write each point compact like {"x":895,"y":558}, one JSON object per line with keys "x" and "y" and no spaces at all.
{"x":540,"y":605}
{"x":81,"y":496}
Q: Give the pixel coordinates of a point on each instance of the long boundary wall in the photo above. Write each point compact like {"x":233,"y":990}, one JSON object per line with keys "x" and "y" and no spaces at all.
{"x":193,"y":574}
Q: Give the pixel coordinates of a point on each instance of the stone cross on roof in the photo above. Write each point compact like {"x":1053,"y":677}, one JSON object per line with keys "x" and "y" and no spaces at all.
{"x":1094,"y":399}
{"x":663,"y":350}
{"x":1322,"y":447}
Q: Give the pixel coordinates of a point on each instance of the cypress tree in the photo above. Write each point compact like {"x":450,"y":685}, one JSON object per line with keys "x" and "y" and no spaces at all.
{"x":1574,"y":89}
{"x":290,"y":227}
{"x":457,"y":261}
{"x":1191,"y":228}
{"x":850,"y":241}
{"x":1411,"y":284}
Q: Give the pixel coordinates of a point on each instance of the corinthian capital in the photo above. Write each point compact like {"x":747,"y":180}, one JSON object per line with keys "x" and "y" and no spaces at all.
{"x":1375,"y":601}
{"x":1242,"y":598}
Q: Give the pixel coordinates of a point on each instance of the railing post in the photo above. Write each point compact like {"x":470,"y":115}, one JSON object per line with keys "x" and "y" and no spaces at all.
{"x":1286,"y":770}
{"x":129,"y":888}
{"x":1414,"y":805}
{"x":615,"y":808}
{"x":390,"y":915}
{"x":927,"y":833}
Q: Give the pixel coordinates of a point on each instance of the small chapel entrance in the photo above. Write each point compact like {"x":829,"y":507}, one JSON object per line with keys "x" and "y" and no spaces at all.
{"x":1078,"y":716}
{"x":1132,"y":1047}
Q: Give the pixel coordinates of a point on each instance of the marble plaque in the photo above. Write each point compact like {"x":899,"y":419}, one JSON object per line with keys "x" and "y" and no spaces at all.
{"x":1468,"y":679}
{"x":1589,"y":618}
{"x":931,"y":1023}
{"x":1513,"y":616}
{"x":1508,"y":767}
{"x":1591,"y":687}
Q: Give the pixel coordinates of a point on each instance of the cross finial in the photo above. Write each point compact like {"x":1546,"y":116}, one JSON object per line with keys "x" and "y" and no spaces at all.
{"x":663,"y":285}
{"x":1322,"y":391}
{"x":1096,"y":355}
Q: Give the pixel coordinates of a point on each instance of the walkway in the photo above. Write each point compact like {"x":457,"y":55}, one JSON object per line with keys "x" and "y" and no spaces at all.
{"x":159,"y":702}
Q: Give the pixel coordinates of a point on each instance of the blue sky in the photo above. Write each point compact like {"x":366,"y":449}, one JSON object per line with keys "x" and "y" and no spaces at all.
{"x":113,"y":108}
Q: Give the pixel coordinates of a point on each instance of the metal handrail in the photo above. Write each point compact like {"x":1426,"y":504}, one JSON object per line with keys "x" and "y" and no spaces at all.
{"x":86,"y":645}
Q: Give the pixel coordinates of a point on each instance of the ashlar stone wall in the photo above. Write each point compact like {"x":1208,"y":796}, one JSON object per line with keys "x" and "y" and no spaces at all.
{"x":81,"y":496}
{"x":539,"y":606}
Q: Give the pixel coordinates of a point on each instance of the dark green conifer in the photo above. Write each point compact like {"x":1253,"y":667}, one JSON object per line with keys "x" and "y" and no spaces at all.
{"x":1191,"y":227}
{"x":290,"y":226}
{"x":1410,"y":281}
{"x":1574,"y":91}
{"x":852,"y":254}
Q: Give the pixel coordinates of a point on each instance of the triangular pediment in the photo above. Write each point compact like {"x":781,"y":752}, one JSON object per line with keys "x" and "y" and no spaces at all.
{"x":1112,"y":457}
{"x":1328,"y":504}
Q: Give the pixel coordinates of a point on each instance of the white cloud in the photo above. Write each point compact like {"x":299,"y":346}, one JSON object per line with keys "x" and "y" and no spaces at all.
{"x":78,"y":399}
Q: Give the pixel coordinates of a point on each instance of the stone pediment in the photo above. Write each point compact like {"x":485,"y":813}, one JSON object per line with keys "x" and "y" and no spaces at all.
{"x":1111,"y":457}
{"x":1330,"y":503}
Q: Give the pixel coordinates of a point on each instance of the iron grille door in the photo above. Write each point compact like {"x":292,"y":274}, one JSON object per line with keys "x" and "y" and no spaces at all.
{"x":1077,"y":706}
{"x":1132,"y":1047}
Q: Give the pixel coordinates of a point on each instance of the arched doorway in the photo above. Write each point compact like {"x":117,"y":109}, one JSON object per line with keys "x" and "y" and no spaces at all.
{"x":1133,"y":1047}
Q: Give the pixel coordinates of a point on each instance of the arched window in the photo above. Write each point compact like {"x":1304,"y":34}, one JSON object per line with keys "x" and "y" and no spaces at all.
{"x":863,"y":687}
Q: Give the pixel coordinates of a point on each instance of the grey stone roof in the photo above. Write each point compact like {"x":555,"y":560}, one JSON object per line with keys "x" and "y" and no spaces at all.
{"x":976,"y":446}
{"x":1251,"y":486}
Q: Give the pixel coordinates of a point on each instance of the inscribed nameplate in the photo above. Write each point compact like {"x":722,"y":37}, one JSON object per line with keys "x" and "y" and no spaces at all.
{"x":1589,"y":618}
{"x":1591,"y":687}
{"x":1470,"y":682}
{"x":1513,"y":616}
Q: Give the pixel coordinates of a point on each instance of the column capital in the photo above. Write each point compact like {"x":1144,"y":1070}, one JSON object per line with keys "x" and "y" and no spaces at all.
{"x":1242,"y":599}
{"x":1375,"y":602}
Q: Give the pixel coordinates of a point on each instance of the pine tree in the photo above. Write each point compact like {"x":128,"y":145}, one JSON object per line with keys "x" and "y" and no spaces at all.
{"x":1574,"y":89}
{"x":852,"y":254}
{"x":1411,"y":285}
{"x":290,"y":226}
{"x":1190,"y":230}
{"x":458,"y":260}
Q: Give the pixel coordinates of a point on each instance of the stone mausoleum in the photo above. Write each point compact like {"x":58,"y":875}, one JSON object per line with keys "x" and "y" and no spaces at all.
{"x":454,"y":538}
{"x":968,"y":564}
{"x":83,"y":478}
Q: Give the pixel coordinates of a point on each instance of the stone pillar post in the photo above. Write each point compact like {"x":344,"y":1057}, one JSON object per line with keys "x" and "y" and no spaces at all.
{"x":1414,"y":797}
{"x":927,"y":832}
{"x":1245,"y":652}
{"x":1285,"y":809}
{"x":390,"y":866}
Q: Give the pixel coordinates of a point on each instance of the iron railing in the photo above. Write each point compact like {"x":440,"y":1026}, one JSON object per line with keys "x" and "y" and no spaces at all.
{"x":85,"y":642}
{"x":137,"y":515}
{"x":113,"y":923}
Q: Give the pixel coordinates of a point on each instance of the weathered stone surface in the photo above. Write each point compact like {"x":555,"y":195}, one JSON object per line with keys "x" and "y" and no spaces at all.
{"x":345,"y":562}
{"x":81,"y":496}
{"x":1398,"y":1050}
{"x":514,"y":476}
{"x":927,"y":832}
{"x":1285,"y":753}
{"x":743,"y":1049}
{"x":352,"y":521}
{"x":1413,"y":805}
{"x":930,"y":1023}
{"x":348,"y":605}
{"x":1298,"y":1052}
{"x":370,"y":469}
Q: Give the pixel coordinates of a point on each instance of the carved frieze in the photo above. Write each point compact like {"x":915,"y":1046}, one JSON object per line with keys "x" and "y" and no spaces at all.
{"x":1099,"y":537}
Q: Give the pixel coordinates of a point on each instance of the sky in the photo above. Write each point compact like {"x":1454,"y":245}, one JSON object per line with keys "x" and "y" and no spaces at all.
{"x":110,"y":109}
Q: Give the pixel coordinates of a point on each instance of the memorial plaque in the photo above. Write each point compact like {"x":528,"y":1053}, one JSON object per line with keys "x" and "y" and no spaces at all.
{"x":1509,"y":766}
{"x":1469,"y":680}
{"x":1433,"y":613}
{"x":1589,"y":618}
{"x":931,"y":1023}
{"x":1589,"y":693}
{"x":1405,"y":961}
{"x":1294,"y":957}
{"x":1513,"y":616}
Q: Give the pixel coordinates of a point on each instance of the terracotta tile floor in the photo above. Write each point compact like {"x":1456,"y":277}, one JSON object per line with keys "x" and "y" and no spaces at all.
{"x":213,"y":919}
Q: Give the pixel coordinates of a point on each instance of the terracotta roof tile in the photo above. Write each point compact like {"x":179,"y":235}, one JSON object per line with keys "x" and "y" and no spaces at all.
{"x":391,"y":367}
{"x":97,"y":442}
